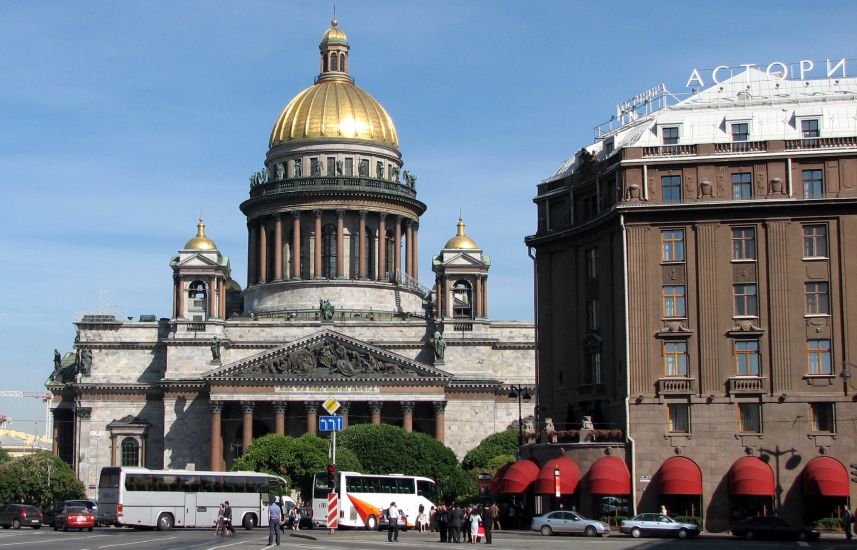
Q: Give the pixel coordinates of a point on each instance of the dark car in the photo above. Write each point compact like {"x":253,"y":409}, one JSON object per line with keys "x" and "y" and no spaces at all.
{"x":51,"y":511}
{"x":772,"y":527}
{"x":20,"y":515}
{"x":74,"y":517}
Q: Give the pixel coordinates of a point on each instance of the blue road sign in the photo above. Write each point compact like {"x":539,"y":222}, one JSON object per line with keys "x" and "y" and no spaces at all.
{"x":330,"y":424}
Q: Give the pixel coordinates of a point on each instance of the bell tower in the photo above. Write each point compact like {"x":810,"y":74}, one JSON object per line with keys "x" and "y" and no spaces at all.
{"x":201,"y":278}
{"x":461,"y":281}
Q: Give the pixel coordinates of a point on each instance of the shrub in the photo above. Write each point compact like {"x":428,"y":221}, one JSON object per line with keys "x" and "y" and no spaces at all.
{"x":689,"y":519}
{"x":503,"y":443}
{"x":829,"y":524}
{"x":38,"y":479}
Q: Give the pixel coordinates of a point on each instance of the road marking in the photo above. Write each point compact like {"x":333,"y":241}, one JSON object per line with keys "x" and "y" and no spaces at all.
{"x":137,"y":542}
{"x":233,"y":544}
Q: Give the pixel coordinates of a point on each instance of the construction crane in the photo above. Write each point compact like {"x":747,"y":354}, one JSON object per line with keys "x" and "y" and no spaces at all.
{"x":45,"y":396}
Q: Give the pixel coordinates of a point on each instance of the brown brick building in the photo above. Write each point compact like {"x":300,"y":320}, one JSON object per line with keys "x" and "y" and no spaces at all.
{"x":693,"y":269}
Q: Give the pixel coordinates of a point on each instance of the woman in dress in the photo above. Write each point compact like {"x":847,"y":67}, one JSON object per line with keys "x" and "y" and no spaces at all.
{"x":475,"y":522}
{"x":422,"y":519}
{"x":218,"y":525}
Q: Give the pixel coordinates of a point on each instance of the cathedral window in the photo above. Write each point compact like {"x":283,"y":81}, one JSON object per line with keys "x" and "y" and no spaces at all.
{"x":462,"y":300}
{"x":349,"y":167}
{"x":329,"y":251}
{"x":130,"y":452}
{"x":196,"y":293}
{"x":342,"y":62}
{"x":334,"y":62}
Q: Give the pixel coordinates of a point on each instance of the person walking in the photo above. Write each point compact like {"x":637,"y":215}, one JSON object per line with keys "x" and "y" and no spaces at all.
{"x":227,"y":519}
{"x":218,"y":525}
{"x":475,"y":521}
{"x":456,"y":516}
{"x":495,"y":512}
{"x":847,"y":518}
{"x":275,"y":517}
{"x":442,"y":518}
{"x":392,"y":523}
{"x":488,"y":522}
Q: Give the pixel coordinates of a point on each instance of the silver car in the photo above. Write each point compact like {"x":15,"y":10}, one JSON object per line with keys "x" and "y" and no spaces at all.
{"x":561,"y":521}
{"x":658,"y":525}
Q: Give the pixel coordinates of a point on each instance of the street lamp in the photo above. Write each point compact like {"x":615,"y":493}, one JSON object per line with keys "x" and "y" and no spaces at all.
{"x":520,"y":392}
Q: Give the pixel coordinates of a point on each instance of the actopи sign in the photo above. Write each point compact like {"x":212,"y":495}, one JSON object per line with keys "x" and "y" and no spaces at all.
{"x":801,"y":70}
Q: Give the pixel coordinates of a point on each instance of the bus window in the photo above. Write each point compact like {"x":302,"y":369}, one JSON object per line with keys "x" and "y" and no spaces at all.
{"x":210,"y":484}
{"x":166,"y":483}
{"x":191,"y":484}
{"x":321,"y":490}
{"x":405,"y":486}
{"x":138,"y":482}
{"x":109,"y":478}
{"x":235,"y":484}
{"x":427,"y":489}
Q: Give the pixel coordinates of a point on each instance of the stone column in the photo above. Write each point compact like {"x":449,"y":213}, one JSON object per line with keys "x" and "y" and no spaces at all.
{"x":252,"y":248}
{"x":212,"y":297}
{"x":317,"y":248}
{"x":375,"y":409}
{"x":55,"y":446}
{"x":439,"y":420}
{"x":296,"y":245}
{"x":397,"y":246}
{"x":278,"y":248}
{"x":382,"y":246}
{"x":477,"y":310}
{"x":263,"y":252}
{"x":179,"y":297}
{"x":409,"y":247}
{"x":408,"y":415}
{"x":438,"y":293}
{"x":280,"y":417}
{"x":363,"y":253}
{"x":311,"y":416}
{"x":485,"y":297}
{"x":344,"y":408}
{"x":247,"y":408}
{"x":216,"y":408}
{"x":222,"y":287}
{"x":340,"y":244}
{"x":415,"y":261}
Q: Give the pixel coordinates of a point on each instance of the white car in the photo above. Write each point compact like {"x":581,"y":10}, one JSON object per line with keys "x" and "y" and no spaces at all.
{"x":561,"y":521}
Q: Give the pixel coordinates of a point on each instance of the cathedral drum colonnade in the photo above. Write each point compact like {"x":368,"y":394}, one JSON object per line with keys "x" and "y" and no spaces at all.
{"x":333,"y":307}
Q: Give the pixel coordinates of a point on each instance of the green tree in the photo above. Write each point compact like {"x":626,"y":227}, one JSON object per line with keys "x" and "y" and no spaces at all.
{"x":499,"y":444}
{"x":384,"y":449}
{"x":4,"y":456}
{"x":296,"y":458}
{"x":38,"y":479}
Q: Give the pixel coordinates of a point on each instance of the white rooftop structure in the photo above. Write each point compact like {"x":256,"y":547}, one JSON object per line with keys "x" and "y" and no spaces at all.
{"x":772,"y":108}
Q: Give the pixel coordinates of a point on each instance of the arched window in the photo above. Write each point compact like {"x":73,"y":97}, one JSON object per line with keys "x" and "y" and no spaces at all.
{"x":334,"y":65}
{"x":370,"y":252}
{"x":462,"y":300}
{"x":342,"y":62}
{"x":328,"y":255}
{"x":196,"y":290}
{"x":324,"y":63}
{"x":130,"y":452}
{"x":388,"y":252}
{"x":196,"y":293}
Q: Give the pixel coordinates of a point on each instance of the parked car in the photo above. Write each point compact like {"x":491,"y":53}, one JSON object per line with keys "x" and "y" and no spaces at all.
{"x":561,"y":521}
{"x":305,"y":521}
{"x":51,"y":511}
{"x":383,"y":524}
{"x":772,"y":527}
{"x":74,"y":517}
{"x":20,"y":515}
{"x":658,"y":525}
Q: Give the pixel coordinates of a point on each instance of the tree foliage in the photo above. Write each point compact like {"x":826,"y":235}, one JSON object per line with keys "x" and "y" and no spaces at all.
{"x":4,"y":456}
{"x":295,"y":458}
{"x":38,"y":479}
{"x":499,"y":444}
{"x":385,"y":449}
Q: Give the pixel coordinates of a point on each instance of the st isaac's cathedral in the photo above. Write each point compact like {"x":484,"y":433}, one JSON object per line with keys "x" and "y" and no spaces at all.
{"x":333,"y":308}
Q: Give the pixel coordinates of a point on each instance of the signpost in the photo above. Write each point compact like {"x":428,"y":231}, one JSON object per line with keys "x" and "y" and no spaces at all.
{"x":332,"y":511}
{"x":332,"y":424}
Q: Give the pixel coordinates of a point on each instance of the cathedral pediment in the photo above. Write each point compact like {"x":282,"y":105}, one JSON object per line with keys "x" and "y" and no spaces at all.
{"x":328,"y":355}
{"x":195,"y":260}
{"x":463,"y":260}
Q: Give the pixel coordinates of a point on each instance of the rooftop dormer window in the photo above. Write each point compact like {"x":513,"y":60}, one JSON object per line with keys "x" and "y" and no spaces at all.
{"x":669,"y":135}
{"x":740,"y":131}
{"x":809,"y":128}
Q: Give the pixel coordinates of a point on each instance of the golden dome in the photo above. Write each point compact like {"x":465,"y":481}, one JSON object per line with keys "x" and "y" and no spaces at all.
{"x":461,"y":240}
{"x":232,"y":284}
{"x":200,"y":242}
{"x":334,"y":109}
{"x":334,"y":34}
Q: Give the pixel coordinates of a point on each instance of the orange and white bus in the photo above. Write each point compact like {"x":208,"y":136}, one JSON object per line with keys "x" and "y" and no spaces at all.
{"x":364,"y":497}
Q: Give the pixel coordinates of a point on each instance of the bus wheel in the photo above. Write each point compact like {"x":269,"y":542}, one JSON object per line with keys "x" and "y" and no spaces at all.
{"x":165,"y":522}
{"x":249,"y":522}
{"x":371,"y":523}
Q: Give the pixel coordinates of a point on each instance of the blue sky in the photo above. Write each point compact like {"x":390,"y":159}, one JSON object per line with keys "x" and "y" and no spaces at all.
{"x":121,"y":121}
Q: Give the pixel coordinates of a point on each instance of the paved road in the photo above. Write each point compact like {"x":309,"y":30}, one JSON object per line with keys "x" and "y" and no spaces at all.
{"x":199,"y":539}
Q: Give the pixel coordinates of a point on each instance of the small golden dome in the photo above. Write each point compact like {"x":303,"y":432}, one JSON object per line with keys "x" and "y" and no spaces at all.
{"x":334,"y":34}
{"x":334,"y":109}
{"x":232,"y":284}
{"x":461,"y":240}
{"x":200,"y":242}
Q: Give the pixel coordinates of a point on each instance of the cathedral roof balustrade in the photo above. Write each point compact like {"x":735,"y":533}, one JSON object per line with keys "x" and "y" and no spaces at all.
{"x":339,"y":183}
{"x":338,"y":315}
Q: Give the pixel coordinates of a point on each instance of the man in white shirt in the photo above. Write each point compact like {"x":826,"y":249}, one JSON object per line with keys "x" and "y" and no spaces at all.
{"x":392,"y":523}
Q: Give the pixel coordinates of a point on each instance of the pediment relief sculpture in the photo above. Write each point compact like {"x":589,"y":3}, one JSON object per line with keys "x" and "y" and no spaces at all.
{"x":328,"y":359}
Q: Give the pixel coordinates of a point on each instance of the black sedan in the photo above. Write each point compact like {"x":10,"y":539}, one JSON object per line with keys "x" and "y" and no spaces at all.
{"x":771,"y":527}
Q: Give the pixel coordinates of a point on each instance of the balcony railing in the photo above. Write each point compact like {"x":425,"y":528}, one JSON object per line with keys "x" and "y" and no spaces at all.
{"x":741,"y":147}
{"x":669,"y":150}
{"x":821,"y":143}
{"x":338,"y":183}
{"x":746,"y":384}
{"x":675,"y":385}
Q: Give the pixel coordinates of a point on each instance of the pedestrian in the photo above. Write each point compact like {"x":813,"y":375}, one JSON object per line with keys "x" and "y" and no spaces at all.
{"x":422,"y":520}
{"x":456,"y":516}
{"x":218,"y":524}
{"x":488,"y":522}
{"x":442,"y":516}
{"x":275,"y":517}
{"x":433,"y":519}
{"x":392,"y":523}
{"x":227,"y":519}
{"x":495,"y":512}
{"x":475,"y":522}
{"x":465,"y":525}
{"x":295,"y":518}
{"x":847,"y":518}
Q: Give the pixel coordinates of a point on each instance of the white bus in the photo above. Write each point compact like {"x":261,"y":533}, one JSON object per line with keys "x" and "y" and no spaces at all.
{"x":364,"y":497}
{"x":139,"y":497}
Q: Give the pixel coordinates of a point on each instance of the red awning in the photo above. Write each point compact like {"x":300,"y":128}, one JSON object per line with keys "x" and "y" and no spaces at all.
{"x":569,"y":477}
{"x":494,"y":484}
{"x":609,"y":476}
{"x":827,"y":477}
{"x":751,"y":476}
{"x":518,"y":477}
{"x":679,"y":475}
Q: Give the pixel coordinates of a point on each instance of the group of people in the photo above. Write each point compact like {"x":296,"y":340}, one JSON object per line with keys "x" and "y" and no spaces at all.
{"x":453,"y":521}
{"x":223,"y":525}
